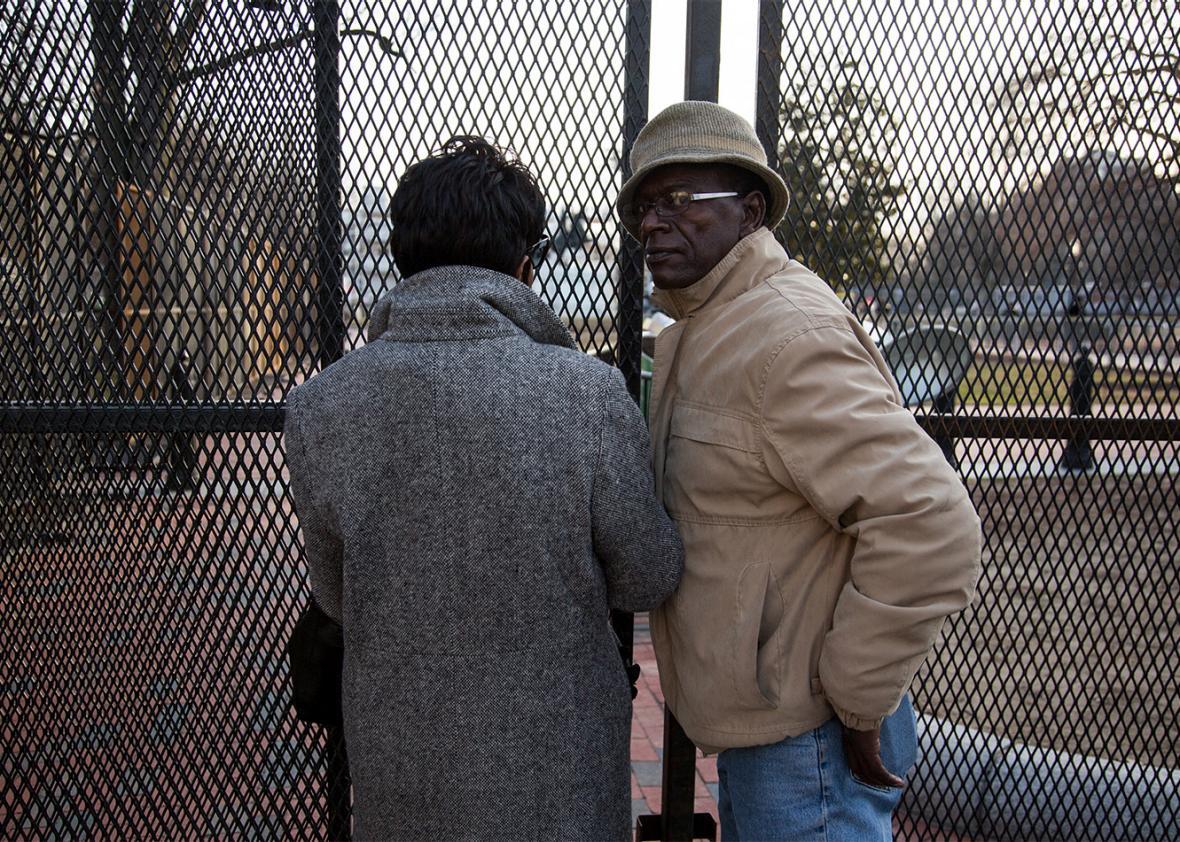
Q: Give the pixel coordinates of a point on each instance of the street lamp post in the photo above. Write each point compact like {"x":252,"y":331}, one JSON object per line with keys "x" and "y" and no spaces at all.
{"x":1078,"y":455}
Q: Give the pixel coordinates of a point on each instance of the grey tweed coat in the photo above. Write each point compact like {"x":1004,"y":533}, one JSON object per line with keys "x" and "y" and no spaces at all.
{"x":474,"y":493}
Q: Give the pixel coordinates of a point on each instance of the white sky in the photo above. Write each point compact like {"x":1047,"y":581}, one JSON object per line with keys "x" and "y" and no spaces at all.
{"x":739,"y":55}
{"x":938,"y":66}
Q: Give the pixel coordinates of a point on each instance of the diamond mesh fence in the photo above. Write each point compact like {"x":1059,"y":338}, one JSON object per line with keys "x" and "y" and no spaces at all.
{"x":194,"y":199}
{"x":996,"y":192}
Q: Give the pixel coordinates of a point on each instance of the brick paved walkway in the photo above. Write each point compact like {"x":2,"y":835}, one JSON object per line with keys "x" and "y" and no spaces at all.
{"x":647,"y":738}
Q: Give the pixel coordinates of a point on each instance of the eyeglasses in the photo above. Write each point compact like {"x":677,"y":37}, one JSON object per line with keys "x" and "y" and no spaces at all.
{"x":674,"y":203}
{"x":537,"y":251}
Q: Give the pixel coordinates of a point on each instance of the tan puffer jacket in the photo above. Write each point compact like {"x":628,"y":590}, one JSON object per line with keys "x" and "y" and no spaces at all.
{"x":826,"y":537}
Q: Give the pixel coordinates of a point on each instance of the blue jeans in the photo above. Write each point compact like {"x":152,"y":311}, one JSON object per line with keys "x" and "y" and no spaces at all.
{"x":801,"y":787}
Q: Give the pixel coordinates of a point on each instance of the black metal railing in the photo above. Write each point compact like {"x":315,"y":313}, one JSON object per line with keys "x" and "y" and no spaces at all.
{"x":194,"y":199}
{"x":1013,"y":175}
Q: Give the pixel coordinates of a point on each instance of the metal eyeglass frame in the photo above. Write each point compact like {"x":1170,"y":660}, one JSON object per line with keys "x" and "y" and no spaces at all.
{"x":664,"y":209}
{"x":537,"y":251}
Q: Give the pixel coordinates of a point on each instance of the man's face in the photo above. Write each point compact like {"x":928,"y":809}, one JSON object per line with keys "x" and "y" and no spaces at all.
{"x":681,"y":249}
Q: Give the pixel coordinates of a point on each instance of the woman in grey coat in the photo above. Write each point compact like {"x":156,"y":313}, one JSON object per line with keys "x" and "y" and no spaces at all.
{"x":474,"y":494}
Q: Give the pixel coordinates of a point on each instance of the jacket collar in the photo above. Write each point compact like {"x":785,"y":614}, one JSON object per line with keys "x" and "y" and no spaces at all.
{"x":464,"y":302}
{"x":754,"y":258}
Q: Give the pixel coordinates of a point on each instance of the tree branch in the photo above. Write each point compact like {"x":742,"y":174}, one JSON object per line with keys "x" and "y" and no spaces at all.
{"x":188,"y":26}
{"x":184,"y":35}
{"x":226,"y":62}
{"x":386,"y":45}
{"x":1152,"y":132}
{"x":54,"y":137}
{"x":1173,"y":60}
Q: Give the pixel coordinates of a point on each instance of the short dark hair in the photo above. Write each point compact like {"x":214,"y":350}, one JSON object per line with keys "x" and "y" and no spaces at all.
{"x":470,"y":203}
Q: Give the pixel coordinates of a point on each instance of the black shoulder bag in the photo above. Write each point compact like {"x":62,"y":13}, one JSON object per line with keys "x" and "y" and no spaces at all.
{"x":316,"y":656}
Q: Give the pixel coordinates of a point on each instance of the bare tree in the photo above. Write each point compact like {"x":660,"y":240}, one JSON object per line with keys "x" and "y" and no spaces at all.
{"x":1100,"y":93}
{"x":141,"y":112}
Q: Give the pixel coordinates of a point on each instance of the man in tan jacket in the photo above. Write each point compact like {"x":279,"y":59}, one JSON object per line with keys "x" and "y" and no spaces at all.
{"x":826,"y":537}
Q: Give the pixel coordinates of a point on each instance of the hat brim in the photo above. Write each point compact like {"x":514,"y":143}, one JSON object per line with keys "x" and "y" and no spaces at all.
{"x":776,"y":203}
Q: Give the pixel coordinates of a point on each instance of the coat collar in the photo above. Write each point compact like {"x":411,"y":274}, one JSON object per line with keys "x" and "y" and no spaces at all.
{"x":464,"y":302}
{"x":754,"y":258}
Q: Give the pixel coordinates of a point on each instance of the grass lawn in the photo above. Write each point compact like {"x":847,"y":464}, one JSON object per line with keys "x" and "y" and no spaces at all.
{"x":1039,"y":383}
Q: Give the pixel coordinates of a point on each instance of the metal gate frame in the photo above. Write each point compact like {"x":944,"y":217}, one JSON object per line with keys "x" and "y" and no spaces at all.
{"x":942,"y":421}
{"x":181,"y":417}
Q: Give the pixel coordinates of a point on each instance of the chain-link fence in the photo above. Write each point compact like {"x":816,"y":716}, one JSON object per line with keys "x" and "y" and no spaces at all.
{"x":194,"y":199}
{"x":998,"y":190}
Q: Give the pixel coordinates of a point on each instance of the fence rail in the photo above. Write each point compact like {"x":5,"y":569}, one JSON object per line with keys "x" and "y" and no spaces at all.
{"x":1055,"y":671}
{"x":185,"y":182}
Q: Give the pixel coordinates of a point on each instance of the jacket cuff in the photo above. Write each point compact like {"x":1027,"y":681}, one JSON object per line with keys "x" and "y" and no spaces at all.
{"x":854,"y":722}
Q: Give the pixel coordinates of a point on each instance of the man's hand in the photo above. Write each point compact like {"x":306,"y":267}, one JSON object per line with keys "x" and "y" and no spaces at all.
{"x":862,"y":750}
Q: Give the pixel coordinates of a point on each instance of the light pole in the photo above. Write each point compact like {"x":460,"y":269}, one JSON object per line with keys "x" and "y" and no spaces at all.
{"x":1078,"y":455}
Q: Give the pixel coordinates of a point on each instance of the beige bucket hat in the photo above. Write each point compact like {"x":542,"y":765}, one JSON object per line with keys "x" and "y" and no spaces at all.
{"x":697,"y":132}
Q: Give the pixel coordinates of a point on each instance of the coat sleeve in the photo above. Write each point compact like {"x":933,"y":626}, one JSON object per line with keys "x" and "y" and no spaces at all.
{"x":839,"y":436}
{"x":636,"y":542}
{"x":323,"y":549}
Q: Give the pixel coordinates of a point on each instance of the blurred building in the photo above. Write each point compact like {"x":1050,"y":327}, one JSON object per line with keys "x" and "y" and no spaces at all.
{"x":1099,"y":227}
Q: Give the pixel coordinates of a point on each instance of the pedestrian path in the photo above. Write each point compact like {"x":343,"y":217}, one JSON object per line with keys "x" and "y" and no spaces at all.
{"x":647,"y":738}
{"x":647,"y":750}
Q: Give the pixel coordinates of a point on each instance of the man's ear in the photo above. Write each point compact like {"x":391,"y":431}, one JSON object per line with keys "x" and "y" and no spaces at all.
{"x":753,"y":212}
{"x":524,"y":271}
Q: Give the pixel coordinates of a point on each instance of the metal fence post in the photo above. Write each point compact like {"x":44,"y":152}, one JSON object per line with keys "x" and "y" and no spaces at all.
{"x":678,"y":782}
{"x":629,"y":293}
{"x":330,"y":311}
{"x":328,"y":152}
{"x":768,"y":84}
{"x":702,"y":58}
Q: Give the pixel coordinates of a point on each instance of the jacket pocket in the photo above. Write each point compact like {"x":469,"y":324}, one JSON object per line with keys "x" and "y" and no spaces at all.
{"x":713,"y":469}
{"x":707,"y":426}
{"x":756,"y":654}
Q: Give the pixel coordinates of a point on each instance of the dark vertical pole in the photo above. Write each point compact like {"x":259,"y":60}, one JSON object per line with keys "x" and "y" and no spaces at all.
{"x":108,"y":87}
{"x":637,"y":51}
{"x":39,"y":371}
{"x":330,"y":310}
{"x":946,"y":404}
{"x":182,"y":454}
{"x":769,"y":80}
{"x":702,"y":57}
{"x":630,"y":292}
{"x":678,"y":782}
{"x":339,"y":785}
{"x":1078,"y":455}
{"x":329,"y":223}
{"x":702,"y":65}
